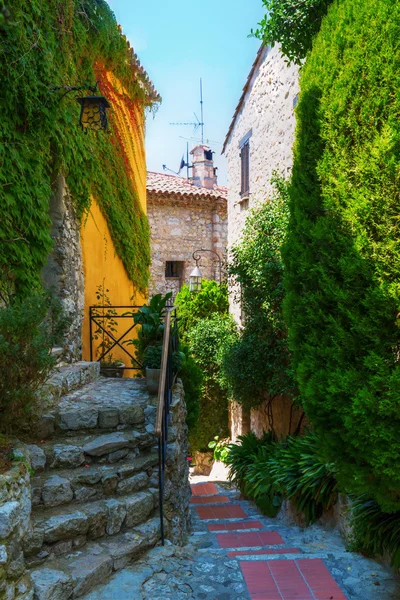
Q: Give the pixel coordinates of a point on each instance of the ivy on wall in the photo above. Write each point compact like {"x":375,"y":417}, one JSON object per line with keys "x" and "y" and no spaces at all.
{"x":45,"y":44}
{"x":342,"y":256}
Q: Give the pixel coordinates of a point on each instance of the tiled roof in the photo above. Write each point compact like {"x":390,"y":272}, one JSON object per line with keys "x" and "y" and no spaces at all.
{"x":171,"y":185}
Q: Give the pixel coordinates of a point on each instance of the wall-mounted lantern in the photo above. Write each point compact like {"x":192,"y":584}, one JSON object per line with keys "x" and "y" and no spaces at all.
{"x":196,"y":276}
{"x":93,"y":113}
{"x":93,"y":108}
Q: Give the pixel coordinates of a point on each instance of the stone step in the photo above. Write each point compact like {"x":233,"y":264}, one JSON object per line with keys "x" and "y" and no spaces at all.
{"x":96,"y":481}
{"x":77,"y":573}
{"x":59,"y":530}
{"x":104,"y":404}
{"x":74,"y":452}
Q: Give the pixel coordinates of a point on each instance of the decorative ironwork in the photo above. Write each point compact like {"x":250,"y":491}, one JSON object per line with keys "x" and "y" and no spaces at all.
{"x":98,"y":317}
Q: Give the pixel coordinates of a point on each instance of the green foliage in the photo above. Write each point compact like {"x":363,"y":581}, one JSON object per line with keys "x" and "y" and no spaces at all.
{"x":193,"y":307}
{"x":192,"y":380}
{"x":375,"y":533}
{"x":150,"y":318}
{"x":298,"y":470}
{"x":45,"y":44}
{"x":342,"y":256}
{"x":207,"y":341}
{"x":293,"y":24}
{"x":267,"y":471}
{"x":258,"y":364}
{"x":220,"y":448}
{"x":28,"y":330}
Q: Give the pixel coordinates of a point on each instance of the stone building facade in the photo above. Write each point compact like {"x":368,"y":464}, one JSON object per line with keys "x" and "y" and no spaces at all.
{"x":259,"y":142}
{"x":184,"y":216}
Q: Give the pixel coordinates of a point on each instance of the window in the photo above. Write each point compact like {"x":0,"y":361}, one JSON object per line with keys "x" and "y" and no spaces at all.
{"x":174,"y":269}
{"x":245,"y":169}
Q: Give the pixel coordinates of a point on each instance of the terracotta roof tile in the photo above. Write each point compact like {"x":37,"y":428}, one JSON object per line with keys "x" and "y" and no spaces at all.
{"x":171,"y":185}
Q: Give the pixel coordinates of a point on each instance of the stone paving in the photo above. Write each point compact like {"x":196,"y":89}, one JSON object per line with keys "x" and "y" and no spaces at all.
{"x":235,"y":553}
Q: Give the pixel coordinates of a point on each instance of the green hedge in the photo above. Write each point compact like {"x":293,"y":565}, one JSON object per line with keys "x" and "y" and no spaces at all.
{"x":342,"y":254}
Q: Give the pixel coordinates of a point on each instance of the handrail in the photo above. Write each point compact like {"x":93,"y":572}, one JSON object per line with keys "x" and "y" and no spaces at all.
{"x":163,"y":404}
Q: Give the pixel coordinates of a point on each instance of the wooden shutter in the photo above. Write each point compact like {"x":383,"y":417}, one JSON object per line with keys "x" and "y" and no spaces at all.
{"x":245,"y":176}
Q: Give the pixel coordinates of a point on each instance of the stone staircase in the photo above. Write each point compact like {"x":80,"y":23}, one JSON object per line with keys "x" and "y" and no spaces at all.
{"x":95,"y":486}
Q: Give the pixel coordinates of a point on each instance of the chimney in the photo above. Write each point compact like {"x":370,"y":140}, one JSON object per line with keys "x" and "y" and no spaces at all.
{"x":204,"y":172}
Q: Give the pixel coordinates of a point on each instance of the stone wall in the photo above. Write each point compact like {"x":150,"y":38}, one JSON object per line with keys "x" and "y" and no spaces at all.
{"x":179,"y":226}
{"x":64,"y":270}
{"x":268,"y":111}
{"x":281,"y":415}
{"x":15,"y":511}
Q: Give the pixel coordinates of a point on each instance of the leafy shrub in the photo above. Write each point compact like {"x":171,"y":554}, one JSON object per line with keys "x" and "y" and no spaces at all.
{"x":293,"y":24}
{"x":192,"y":307}
{"x":298,"y":470}
{"x":258,"y":364}
{"x":375,"y":532}
{"x":220,"y":448}
{"x":29,"y":328}
{"x":267,"y":471}
{"x":342,"y":256}
{"x":192,"y":380}
{"x":208,"y":340}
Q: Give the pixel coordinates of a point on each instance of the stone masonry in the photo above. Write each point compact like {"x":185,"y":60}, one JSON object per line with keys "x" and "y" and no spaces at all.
{"x":185,"y":217}
{"x":265,"y":116}
{"x":91,"y":505}
{"x":63,"y":273}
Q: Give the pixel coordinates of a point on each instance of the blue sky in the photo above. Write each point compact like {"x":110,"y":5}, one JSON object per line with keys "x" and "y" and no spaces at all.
{"x":178,"y":42}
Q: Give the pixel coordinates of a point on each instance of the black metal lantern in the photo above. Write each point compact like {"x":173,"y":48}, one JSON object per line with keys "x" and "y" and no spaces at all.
{"x":93,"y":113}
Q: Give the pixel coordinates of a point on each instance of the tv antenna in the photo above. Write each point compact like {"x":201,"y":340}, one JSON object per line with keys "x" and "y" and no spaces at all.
{"x":199,"y":123}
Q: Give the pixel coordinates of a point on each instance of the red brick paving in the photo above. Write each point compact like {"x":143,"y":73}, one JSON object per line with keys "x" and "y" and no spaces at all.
{"x":209,"y":500}
{"x":306,"y":579}
{"x":245,"y":540}
{"x":259,"y":552}
{"x":221,"y":512}
{"x":204,"y":489}
{"x":235,"y":526}
{"x":289,"y":579}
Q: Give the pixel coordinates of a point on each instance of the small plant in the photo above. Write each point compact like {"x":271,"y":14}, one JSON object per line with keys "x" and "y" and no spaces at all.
{"x":220,"y":448}
{"x":152,"y":357}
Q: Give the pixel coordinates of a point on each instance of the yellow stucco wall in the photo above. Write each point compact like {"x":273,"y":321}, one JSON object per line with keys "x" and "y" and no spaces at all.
{"x":102,"y":265}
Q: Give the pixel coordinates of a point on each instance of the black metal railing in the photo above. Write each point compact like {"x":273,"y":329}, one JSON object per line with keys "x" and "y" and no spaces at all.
{"x":170,"y":345}
{"x":100,"y":318}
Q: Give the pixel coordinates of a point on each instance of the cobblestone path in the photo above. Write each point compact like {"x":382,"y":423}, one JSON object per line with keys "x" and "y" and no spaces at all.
{"x":235,"y":553}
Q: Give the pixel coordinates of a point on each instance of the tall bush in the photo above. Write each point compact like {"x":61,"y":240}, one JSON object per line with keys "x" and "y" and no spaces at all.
{"x":207,"y":342}
{"x":342,"y":253}
{"x":258,"y":365}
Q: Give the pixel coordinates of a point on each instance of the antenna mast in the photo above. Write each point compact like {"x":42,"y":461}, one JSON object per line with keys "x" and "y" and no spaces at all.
{"x":199,"y":123}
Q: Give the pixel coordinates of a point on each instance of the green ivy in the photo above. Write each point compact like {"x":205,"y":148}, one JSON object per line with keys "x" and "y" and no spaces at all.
{"x":45,"y":44}
{"x":342,"y":253}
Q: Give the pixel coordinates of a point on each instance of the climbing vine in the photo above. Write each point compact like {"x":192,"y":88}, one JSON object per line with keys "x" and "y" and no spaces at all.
{"x":44,"y":45}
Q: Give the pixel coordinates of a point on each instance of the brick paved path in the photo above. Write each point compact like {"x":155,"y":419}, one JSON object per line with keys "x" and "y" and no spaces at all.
{"x":235,"y":553}
{"x":290,"y":577}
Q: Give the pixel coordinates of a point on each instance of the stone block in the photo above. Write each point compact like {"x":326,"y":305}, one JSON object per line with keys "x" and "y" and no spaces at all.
{"x":123,"y":548}
{"x":50,"y":584}
{"x":78,"y":419}
{"x":109,"y":442}
{"x":62,"y":547}
{"x":133,"y":415}
{"x":9,"y":518}
{"x":109,"y":483}
{"x":88,"y":571}
{"x":57,"y":490}
{"x":118,"y":455}
{"x":133,"y":484}
{"x":37,"y":457}
{"x":116,"y":513}
{"x":45,"y":427}
{"x":108,"y":418}
{"x":36,"y":495}
{"x":84,"y":494}
{"x":64,"y":527}
{"x":89,"y":476}
{"x":67,"y":456}
{"x":33,"y":541}
{"x":138,"y":508}
{"x":97,"y":520}
{"x":3,"y":555}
